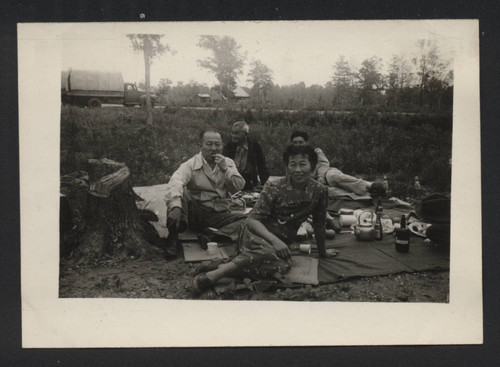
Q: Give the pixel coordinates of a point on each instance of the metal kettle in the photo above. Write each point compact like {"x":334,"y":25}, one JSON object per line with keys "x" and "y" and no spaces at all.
{"x":364,"y":229}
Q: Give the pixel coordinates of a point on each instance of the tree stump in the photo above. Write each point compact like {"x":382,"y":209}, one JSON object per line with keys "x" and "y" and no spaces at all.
{"x":114,"y":228}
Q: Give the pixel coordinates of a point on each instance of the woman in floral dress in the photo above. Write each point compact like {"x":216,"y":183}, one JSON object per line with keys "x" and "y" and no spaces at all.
{"x":265,"y":237}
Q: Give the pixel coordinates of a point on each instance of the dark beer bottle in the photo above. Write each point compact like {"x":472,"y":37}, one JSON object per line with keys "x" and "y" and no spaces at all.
{"x":402,"y":237}
{"x":379,"y":231}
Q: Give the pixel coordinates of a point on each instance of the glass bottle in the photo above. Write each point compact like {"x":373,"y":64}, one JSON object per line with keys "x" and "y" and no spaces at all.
{"x":379,"y":233}
{"x":417,"y":187}
{"x":386,"y":185}
{"x":402,"y":237}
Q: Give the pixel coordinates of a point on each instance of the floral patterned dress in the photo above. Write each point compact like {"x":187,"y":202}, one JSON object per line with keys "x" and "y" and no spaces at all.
{"x":281,"y":209}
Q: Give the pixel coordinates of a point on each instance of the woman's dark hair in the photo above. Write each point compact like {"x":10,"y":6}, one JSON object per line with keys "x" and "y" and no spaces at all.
{"x":302,"y":134}
{"x":305,"y":150}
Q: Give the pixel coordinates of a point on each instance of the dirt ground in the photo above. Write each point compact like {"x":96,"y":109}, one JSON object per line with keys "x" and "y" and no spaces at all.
{"x":157,"y":278}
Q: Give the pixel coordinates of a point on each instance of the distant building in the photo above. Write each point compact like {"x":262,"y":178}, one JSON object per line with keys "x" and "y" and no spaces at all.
{"x":240,"y":94}
{"x":204,"y":98}
{"x":217,"y":97}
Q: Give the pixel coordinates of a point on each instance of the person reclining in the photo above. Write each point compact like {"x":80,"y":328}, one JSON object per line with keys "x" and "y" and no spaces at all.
{"x":341,"y":183}
{"x":247,"y":155}
{"x":199,"y":193}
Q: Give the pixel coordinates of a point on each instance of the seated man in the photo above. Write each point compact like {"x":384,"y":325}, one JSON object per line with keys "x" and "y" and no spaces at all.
{"x":199,"y":193}
{"x":340,"y":183}
{"x":247,"y":155}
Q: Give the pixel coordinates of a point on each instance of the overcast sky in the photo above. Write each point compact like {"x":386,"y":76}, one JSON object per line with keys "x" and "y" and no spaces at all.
{"x":294,"y":51}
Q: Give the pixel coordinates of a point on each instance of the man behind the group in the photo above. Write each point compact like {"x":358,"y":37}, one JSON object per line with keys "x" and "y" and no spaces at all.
{"x":247,"y":155}
{"x":335,"y":178}
{"x":199,"y":193}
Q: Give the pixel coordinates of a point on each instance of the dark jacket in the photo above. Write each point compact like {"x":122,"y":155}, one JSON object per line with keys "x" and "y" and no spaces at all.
{"x":256,"y":163}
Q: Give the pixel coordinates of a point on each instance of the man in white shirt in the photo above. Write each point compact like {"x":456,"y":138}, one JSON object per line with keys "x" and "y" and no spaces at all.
{"x":199,"y":193}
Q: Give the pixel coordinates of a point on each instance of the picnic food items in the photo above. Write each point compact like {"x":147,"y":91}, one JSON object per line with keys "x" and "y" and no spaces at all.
{"x":364,"y":229}
{"x":347,"y":220}
{"x":402,"y":237}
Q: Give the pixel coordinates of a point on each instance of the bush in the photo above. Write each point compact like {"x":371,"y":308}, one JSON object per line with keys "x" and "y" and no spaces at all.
{"x":361,"y":143}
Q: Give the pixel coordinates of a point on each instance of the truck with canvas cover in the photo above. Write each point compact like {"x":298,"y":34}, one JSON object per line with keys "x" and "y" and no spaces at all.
{"x":93,"y":88}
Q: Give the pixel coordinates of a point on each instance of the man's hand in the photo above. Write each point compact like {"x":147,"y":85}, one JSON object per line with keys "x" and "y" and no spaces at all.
{"x":282,"y":249}
{"x":322,"y":180}
{"x":331,"y":252}
{"x":220,"y":160}
{"x":174,"y":218}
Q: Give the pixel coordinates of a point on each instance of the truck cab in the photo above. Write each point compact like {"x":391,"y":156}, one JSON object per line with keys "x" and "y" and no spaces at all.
{"x":134,"y":96}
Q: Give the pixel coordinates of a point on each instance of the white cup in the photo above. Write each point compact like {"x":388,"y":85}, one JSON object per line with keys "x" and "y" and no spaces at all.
{"x":212,"y":248}
{"x":305,"y":247}
{"x":347,"y":220}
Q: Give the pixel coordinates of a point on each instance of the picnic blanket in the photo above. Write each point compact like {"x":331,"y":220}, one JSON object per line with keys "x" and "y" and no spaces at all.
{"x":154,"y":200}
{"x":370,"y":258}
{"x":355,"y":258}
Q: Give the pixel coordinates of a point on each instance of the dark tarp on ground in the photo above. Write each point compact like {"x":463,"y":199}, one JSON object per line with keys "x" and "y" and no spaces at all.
{"x":355,"y":258}
{"x":370,"y":258}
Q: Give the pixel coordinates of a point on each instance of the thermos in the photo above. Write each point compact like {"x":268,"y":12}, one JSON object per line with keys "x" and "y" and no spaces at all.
{"x":402,"y":237}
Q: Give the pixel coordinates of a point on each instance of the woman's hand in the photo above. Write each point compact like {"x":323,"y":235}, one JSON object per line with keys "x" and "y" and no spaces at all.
{"x":279,"y":246}
{"x":282,"y":249}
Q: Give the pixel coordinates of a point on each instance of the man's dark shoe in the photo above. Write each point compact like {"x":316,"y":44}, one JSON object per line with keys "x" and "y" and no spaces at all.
{"x":173,"y":246}
{"x":201,"y":283}
{"x":169,"y":254}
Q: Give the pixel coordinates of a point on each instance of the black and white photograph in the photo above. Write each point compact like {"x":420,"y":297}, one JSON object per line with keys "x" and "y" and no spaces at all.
{"x":297,"y":179}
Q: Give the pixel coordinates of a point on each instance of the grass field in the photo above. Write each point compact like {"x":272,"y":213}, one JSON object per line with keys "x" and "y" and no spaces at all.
{"x":362,"y":143}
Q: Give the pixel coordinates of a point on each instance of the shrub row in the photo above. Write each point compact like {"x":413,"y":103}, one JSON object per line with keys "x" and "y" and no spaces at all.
{"x":361,"y":143}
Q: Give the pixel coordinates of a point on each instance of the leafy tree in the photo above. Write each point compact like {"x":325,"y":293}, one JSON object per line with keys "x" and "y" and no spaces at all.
{"x":151,"y":47}
{"x":261,"y":78}
{"x":226,"y":60}
{"x":399,"y":78}
{"x":432,"y":74}
{"x":164,"y":87}
{"x":185,"y":94}
{"x":400,"y":74}
{"x":343,"y":81}
{"x":370,"y":79}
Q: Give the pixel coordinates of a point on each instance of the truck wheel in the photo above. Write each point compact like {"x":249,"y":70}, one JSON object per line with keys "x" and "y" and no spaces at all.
{"x":94,"y":103}
{"x":143,"y":104}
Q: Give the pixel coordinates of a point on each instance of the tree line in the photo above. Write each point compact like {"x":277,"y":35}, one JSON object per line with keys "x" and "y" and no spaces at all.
{"x":422,"y":83}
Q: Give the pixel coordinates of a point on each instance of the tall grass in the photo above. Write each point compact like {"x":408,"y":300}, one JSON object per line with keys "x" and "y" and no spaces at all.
{"x":366,"y":144}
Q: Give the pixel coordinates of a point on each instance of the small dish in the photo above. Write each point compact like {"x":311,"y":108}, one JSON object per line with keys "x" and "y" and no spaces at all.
{"x":419,"y":228}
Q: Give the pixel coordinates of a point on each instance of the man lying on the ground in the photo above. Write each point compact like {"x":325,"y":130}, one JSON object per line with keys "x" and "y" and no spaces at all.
{"x":247,"y":155}
{"x":335,"y":178}
{"x":199,"y":193}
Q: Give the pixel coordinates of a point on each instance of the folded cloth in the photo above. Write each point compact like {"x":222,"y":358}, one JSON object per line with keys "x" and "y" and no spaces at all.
{"x":304,"y":270}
